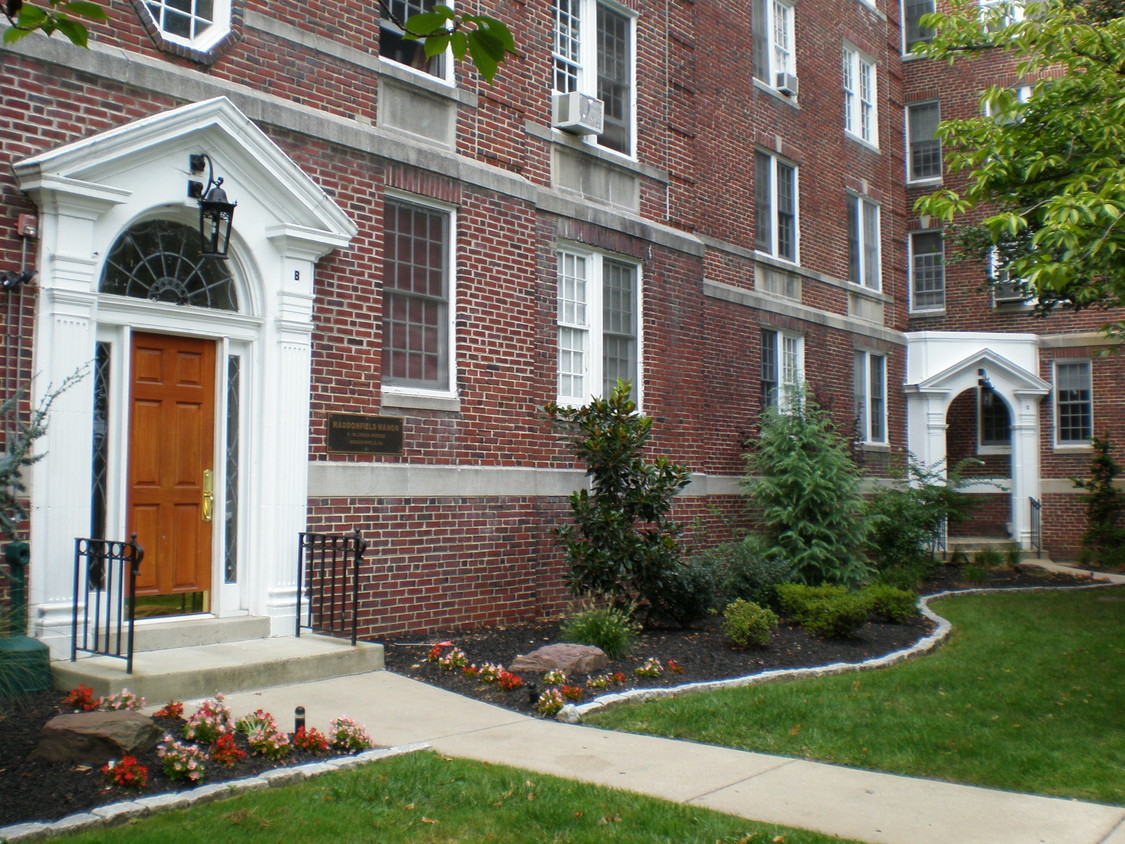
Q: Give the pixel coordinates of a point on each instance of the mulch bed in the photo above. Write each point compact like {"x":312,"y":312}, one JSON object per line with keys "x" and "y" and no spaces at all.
{"x":42,"y":791}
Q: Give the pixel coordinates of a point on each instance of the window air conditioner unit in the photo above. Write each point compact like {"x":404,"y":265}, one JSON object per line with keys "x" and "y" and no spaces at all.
{"x":577,"y":113}
{"x":787,"y":83}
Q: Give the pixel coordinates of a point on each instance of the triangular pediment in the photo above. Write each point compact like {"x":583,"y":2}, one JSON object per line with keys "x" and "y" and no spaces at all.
{"x":1003,"y":374}
{"x":144,"y":165}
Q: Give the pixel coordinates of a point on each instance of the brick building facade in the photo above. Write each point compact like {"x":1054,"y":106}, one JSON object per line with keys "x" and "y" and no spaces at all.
{"x":424,"y":251}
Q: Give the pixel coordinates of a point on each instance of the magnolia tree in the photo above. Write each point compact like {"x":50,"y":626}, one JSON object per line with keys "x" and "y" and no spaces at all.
{"x":484,"y":40}
{"x":1044,"y":164}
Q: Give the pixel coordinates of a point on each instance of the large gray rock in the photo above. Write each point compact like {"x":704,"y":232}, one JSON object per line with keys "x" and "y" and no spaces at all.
{"x":570,"y":659}
{"x":96,"y":737}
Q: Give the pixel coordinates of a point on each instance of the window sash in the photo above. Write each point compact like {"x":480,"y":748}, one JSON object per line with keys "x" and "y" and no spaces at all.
{"x":870,"y":378}
{"x":859,"y":84}
{"x":1073,"y":403}
{"x":416,"y":284}
{"x":994,"y":424}
{"x":924,"y":158}
{"x":597,"y":317}
{"x":782,"y":369}
{"x":593,"y":52}
{"x":913,"y":30}
{"x":927,"y":257}
{"x":772,"y":47}
{"x":775,"y":196}
{"x":864,"y":266}
{"x":395,"y":46}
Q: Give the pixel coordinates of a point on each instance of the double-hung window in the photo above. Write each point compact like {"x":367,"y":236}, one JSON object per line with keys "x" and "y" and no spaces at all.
{"x":199,"y":24}
{"x":775,"y":206}
{"x":598,"y":304}
{"x":773,"y":59}
{"x":417,"y":297}
{"x":870,"y":371}
{"x":994,"y":424}
{"x":998,"y":14}
{"x":927,"y":271}
{"x":863,"y":242}
{"x":1073,"y":403}
{"x":394,"y":45}
{"x":912,"y":30}
{"x":594,"y":55}
{"x":860,"y":117}
{"x":923,"y":161}
{"x":783,"y":369}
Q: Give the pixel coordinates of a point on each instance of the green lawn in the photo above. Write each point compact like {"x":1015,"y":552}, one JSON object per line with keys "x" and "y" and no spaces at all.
{"x":422,"y":797}
{"x":1028,"y":694}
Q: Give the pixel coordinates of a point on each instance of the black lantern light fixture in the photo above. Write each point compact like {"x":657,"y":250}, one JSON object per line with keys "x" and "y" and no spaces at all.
{"x":216,"y":212}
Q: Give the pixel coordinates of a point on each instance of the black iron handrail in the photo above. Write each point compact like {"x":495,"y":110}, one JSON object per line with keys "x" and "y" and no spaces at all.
{"x":105,"y":590}
{"x":328,"y":580}
{"x":1036,"y":526}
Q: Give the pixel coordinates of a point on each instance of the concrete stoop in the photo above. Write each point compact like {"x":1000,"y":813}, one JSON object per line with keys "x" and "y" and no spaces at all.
{"x":183,"y":662}
{"x":969,"y":545}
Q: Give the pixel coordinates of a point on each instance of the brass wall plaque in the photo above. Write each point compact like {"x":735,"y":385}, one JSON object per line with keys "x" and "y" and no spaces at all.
{"x":355,"y":434}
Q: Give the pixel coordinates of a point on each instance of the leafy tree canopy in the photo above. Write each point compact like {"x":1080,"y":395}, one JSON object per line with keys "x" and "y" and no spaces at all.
{"x":486,"y":41}
{"x":1048,"y":170}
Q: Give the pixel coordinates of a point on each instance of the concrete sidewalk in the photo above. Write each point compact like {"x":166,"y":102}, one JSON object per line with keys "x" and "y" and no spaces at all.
{"x":841,"y":801}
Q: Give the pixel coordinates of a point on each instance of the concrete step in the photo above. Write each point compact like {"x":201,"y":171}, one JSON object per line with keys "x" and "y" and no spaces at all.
{"x":969,"y":545}
{"x":160,"y":634}
{"x":203,"y":670}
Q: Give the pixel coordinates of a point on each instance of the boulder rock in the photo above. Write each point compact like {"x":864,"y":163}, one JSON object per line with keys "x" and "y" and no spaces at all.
{"x":570,"y":659}
{"x":96,"y":737}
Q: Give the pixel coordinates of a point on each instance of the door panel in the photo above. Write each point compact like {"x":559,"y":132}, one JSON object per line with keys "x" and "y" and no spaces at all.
{"x":171,"y":444}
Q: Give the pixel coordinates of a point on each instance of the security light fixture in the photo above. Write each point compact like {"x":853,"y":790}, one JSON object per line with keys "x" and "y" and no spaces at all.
{"x":216,"y":211}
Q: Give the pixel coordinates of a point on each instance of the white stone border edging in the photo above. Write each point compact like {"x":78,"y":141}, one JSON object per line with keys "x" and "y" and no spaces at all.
{"x":573,"y":713}
{"x":118,"y":813}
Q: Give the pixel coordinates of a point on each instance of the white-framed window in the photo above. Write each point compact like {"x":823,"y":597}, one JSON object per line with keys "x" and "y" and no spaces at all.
{"x":782,"y":370}
{"x":395,"y":47}
{"x":1005,"y":289}
{"x":927,"y":271}
{"x":864,"y":266}
{"x":1074,"y":403}
{"x":598,"y":317}
{"x":860,"y":113}
{"x":994,"y":423}
{"x":1022,"y":94}
{"x":199,"y":24}
{"x":593,"y":53}
{"x":417,"y":297}
{"x":923,"y":160}
{"x":999,"y":14}
{"x":774,"y":62}
{"x":912,"y":30}
{"x":870,"y":379}
{"x":775,"y":205}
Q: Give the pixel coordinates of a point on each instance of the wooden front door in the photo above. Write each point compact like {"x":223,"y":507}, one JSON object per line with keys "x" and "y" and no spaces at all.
{"x":171,"y":461}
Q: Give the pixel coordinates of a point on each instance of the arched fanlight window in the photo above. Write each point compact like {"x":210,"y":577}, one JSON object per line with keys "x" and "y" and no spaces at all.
{"x":162,"y":261}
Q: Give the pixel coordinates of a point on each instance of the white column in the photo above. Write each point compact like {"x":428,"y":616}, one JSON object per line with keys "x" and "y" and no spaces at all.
{"x":1025,"y":462}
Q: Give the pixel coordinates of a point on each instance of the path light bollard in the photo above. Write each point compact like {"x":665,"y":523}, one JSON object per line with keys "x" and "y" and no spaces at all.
{"x":298,"y":719}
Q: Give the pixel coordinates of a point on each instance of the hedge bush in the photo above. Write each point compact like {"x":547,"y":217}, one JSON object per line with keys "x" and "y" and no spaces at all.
{"x":745,"y":623}
{"x":610,"y":628}
{"x":829,"y":611}
{"x":897,"y":606}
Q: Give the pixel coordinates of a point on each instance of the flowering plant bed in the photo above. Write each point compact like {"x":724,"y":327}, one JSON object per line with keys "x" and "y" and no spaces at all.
{"x":692,"y":655}
{"x":41,"y":790}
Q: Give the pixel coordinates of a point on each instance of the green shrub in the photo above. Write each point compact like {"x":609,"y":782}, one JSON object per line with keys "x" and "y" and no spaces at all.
{"x":974,"y":575}
{"x":745,"y":623}
{"x":829,"y":611}
{"x":897,"y":606}
{"x":909,"y":577}
{"x":1104,"y":538}
{"x":1012,"y":556}
{"x":805,"y":486}
{"x":988,"y":558}
{"x":747,"y":570}
{"x":610,"y":628}
{"x":686,"y":593}
{"x":622,"y":541}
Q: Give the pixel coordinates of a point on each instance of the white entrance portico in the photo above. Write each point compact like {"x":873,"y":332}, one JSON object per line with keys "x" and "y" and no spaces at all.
{"x":253,"y":347}
{"x":942,"y":365}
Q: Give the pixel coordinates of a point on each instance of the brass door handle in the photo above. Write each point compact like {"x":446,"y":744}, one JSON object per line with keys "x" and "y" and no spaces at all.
{"x":208,"y":494}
